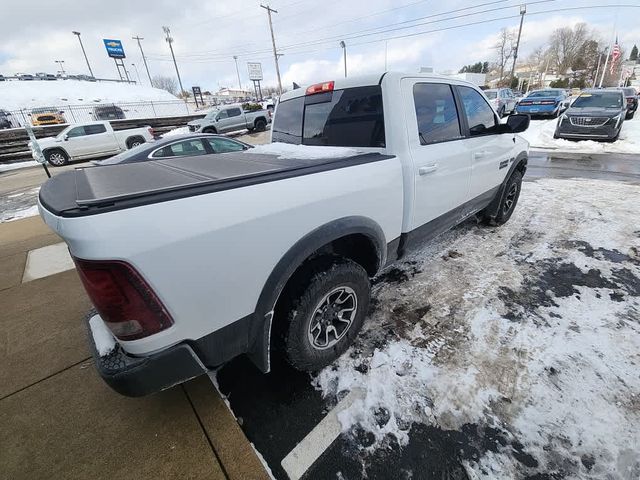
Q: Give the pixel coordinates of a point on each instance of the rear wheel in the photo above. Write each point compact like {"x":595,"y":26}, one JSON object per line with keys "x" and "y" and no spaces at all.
{"x":57,"y":157}
{"x":260,"y":124}
{"x":325,"y":311}
{"x":134,"y":142}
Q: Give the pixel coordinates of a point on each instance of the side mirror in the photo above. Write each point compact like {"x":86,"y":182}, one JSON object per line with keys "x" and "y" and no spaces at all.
{"x":66,"y":137}
{"x":518,"y":122}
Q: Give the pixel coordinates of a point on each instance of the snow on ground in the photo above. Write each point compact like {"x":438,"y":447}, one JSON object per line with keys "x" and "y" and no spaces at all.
{"x":309,"y":152}
{"x":524,"y":337}
{"x":5,"y":167}
{"x":19,"y":205}
{"x":29,"y":94}
{"x":9,"y":216}
{"x":540,"y":136}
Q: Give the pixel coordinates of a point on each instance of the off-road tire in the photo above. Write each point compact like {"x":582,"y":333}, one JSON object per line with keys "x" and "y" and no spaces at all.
{"x":630,"y":115}
{"x":56,"y":157}
{"x":508,"y":201}
{"x":312,"y":284}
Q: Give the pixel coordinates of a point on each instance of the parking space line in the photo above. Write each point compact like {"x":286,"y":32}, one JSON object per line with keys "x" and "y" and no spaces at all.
{"x":46,"y":261}
{"x":304,"y":455}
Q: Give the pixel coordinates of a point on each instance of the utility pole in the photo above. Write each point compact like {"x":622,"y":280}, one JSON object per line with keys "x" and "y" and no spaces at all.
{"x":523,"y":10}
{"x":273,"y":42}
{"x":83,"y":52}
{"x":344,"y":54}
{"x":235,"y":57}
{"x":604,"y":69}
{"x":60,"y":62}
{"x":144,"y":59}
{"x":169,"y":40}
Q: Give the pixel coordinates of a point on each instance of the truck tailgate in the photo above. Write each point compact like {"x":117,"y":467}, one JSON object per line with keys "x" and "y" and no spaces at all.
{"x":92,"y":190}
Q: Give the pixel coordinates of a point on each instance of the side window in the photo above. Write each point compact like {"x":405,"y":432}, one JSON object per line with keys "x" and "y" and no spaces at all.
{"x":233,"y":112}
{"x":94,"y":129}
{"x":479,"y":114}
{"x":223,"y":145}
{"x":76,"y":132}
{"x":222,"y":114}
{"x":436,"y":113}
{"x":181,"y":149}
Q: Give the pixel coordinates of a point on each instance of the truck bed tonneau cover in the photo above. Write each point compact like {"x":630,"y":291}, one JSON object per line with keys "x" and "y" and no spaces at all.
{"x":92,"y":190}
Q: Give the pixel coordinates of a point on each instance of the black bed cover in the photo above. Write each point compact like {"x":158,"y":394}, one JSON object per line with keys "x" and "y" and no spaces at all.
{"x":98,"y":189}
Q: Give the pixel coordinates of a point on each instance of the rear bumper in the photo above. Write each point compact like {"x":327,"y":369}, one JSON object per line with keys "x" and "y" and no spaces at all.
{"x":138,"y":376}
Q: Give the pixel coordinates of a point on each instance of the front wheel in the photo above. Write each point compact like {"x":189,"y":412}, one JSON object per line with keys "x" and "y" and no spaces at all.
{"x":57,"y":158}
{"x":326,"y":313}
{"x":508,"y":202}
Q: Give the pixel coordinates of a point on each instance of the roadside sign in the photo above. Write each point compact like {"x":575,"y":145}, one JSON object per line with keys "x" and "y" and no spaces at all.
{"x":114,"y":48}
{"x":196,"y":90}
{"x":255,"y":70}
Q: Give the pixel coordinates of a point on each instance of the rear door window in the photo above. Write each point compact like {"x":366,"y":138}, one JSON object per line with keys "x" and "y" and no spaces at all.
{"x":436,"y":113}
{"x":224,"y":145}
{"x":352,"y":117}
{"x":181,"y":149}
{"x":233,"y":112}
{"x":94,"y":129}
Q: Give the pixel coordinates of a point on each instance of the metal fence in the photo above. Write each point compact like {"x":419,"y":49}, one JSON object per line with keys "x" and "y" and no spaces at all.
{"x":62,"y":114}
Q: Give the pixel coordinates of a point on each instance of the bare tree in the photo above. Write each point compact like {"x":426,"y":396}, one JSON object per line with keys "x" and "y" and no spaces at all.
{"x":166,"y":83}
{"x":504,"y":49}
{"x":566,"y":44}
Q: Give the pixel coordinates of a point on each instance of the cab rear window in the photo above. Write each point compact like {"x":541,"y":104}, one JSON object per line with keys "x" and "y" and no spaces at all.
{"x":352,"y":117}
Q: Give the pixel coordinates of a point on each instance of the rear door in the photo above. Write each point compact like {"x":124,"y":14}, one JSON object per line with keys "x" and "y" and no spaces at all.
{"x":490,"y":151}
{"x":441,"y":162}
{"x":88,"y":140}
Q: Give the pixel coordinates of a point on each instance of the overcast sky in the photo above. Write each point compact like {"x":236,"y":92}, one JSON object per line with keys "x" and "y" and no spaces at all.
{"x":35,"y":33}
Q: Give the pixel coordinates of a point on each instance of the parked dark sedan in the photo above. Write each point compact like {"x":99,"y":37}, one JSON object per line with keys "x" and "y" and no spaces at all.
{"x":631,"y":97}
{"x":594,"y":115}
{"x":551,"y":102}
{"x":189,"y":145}
{"x":5,"y":120}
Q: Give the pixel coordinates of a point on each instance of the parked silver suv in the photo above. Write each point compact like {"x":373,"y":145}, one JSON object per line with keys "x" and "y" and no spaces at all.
{"x":502,"y":99}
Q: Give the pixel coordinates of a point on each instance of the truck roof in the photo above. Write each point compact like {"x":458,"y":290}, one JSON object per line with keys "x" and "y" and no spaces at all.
{"x":92,"y":190}
{"x":371,"y":79}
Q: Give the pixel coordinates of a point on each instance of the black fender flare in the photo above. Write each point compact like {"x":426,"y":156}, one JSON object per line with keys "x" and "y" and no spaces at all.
{"x":46,"y":150}
{"x":260,"y":330}
{"x":517,"y":163}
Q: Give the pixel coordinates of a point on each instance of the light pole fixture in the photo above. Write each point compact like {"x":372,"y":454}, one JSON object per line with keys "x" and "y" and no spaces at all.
{"x":60,"y":62}
{"x":169,"y":40}
{"x":344,"y":54}
{"x":77,"y":34}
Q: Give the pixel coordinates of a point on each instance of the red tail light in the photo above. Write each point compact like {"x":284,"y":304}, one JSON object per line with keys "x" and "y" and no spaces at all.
{"x":151,"y":132}
{"x":123,"y":299}
{"x":320,"y":88}
{"x":548,"y":102}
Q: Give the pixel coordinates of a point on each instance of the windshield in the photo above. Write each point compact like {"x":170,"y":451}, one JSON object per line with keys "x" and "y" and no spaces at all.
{"x":211,"y":114}
{"x":599,"y":100}
{"x":491,"y":94}
{"x":545,"y":93}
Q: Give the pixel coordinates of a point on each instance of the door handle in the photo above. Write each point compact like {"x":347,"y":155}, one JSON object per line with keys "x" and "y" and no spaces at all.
{"x":427,"y":169}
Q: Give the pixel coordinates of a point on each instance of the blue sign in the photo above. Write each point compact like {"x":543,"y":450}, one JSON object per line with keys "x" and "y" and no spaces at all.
{"x":114,"y":48}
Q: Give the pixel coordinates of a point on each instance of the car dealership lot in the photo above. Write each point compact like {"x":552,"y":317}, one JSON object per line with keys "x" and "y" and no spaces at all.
{"x":490,"y":354}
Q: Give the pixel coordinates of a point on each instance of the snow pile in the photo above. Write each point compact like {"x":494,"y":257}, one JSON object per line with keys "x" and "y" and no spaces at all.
{"x":176,"y":131}
{"x":532,"y":329}
{"x":11,"y":215}
{"x":29,"y":94}
{"x":102,"y":336}
{"x":307,"y":152}
{"x":540,"y":136}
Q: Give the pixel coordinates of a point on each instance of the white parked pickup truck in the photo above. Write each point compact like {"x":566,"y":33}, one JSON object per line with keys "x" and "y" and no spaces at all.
{"x":90,"y":140}
{"x":192,"y":262}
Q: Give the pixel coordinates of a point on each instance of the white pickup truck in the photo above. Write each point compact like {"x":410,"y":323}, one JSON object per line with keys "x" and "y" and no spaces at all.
{"x":190,"y":263}
{"x":90,"y":140}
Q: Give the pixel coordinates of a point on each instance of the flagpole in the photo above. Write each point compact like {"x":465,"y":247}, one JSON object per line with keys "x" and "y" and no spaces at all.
{"x":606,"y":62}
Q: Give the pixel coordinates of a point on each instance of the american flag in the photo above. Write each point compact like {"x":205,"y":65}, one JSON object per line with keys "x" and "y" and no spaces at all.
{"x":615,"y":55}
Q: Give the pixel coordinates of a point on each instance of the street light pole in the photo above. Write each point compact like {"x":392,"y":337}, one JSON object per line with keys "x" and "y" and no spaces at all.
{"x":137,"y":73}
{"x":60,"y":62}
{"x":169,"y":40}
{"x":144,"y":59}
{"x":235,"y":57}
{"x":77,"y":34}
{"x":523,"y":10}
{"x":273,"y":43}
{"x":344,"y":54}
